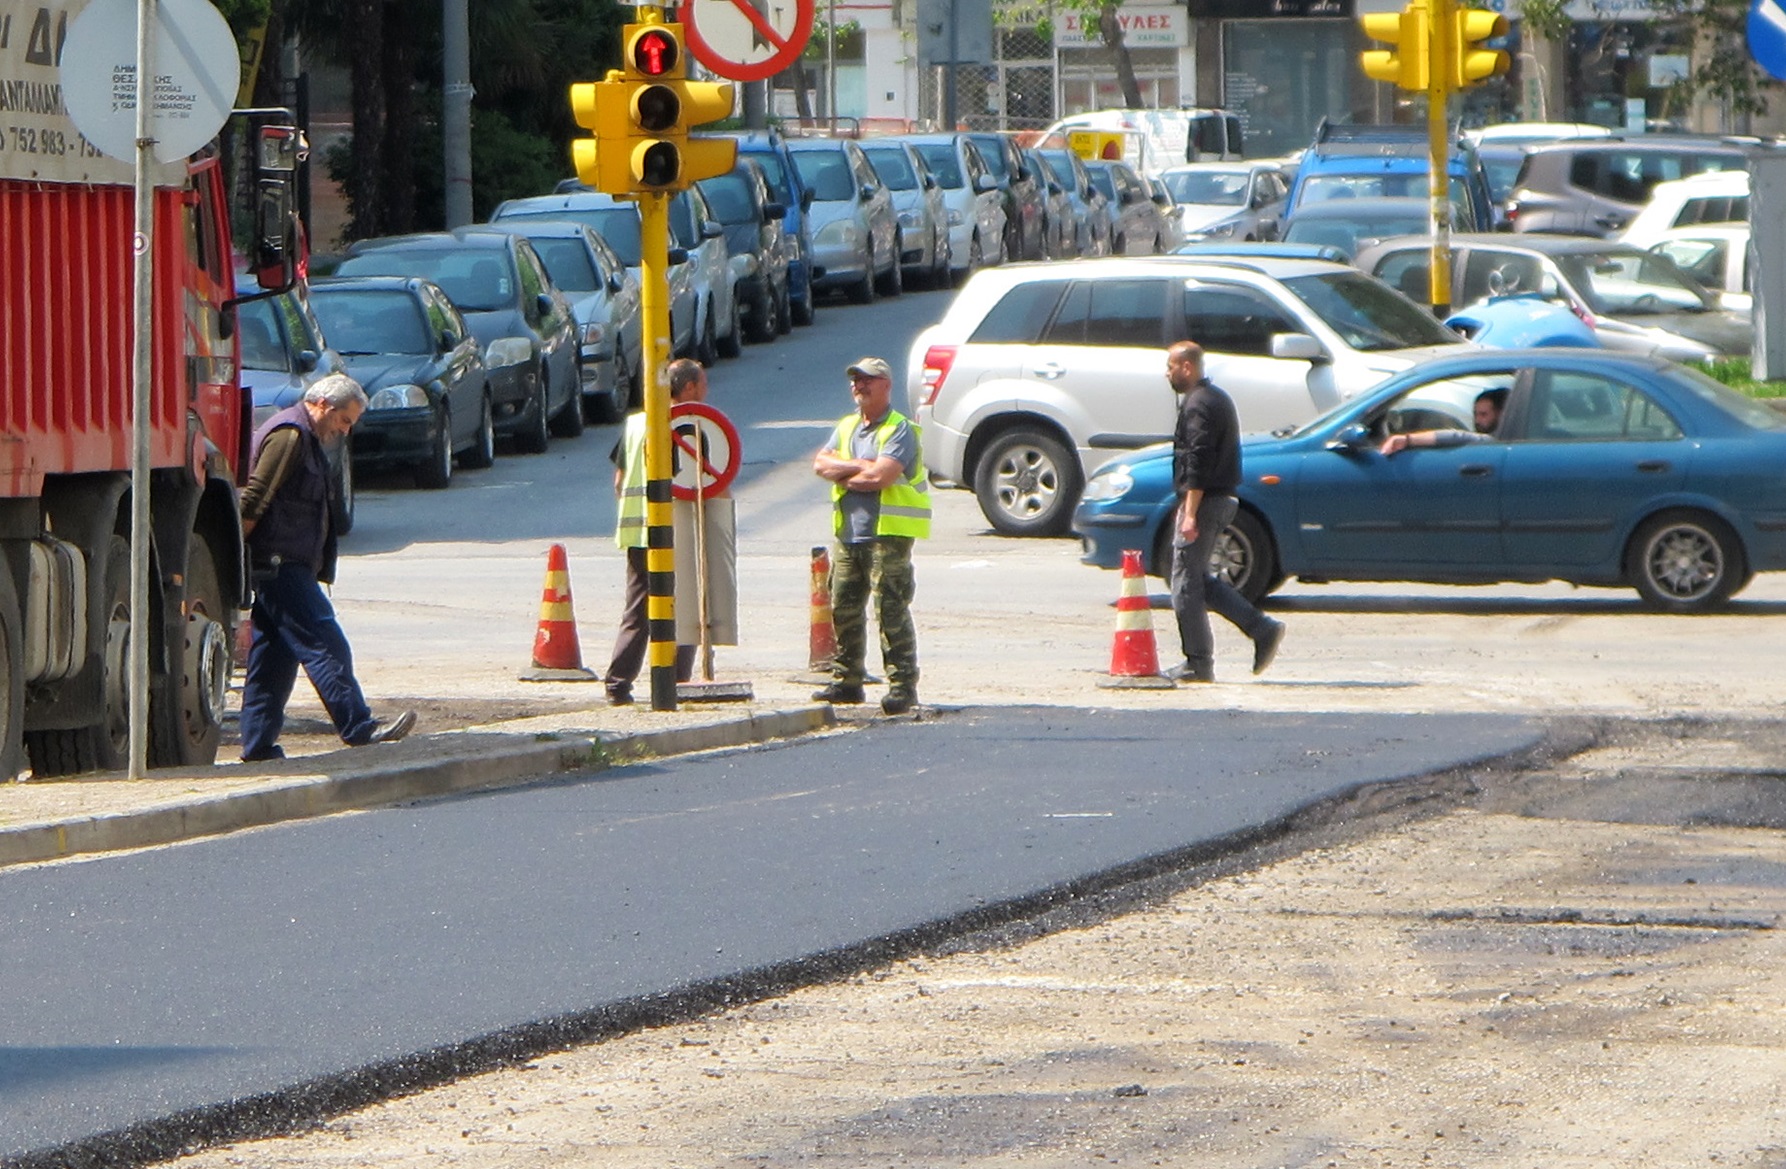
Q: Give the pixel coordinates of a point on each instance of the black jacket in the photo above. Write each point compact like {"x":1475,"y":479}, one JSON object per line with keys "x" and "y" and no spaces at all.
{"x":1206,"y":442}
{"x":295,"y":524}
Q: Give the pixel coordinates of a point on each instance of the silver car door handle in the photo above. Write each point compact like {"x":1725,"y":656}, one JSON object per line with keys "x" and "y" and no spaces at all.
{"x":1050,"y":371}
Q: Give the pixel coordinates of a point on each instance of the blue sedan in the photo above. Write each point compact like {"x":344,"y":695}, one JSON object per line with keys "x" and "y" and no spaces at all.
{"x":1605,"y":469}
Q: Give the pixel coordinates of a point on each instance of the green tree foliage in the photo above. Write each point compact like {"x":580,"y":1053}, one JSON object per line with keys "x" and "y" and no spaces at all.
{"x":1722,"y":67}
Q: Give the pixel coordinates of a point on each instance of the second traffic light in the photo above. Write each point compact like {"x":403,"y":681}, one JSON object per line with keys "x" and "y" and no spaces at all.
{"x":1408,"y":64}
{"x":641,"y":116}
{"x":1471,"y":60}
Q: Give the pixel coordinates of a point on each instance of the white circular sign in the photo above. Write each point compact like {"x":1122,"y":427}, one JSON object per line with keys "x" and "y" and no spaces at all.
{"x":196,"y":65}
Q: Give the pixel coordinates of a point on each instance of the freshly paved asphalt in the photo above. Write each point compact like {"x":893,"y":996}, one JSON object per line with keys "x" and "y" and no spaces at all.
{"x":136,"y":986}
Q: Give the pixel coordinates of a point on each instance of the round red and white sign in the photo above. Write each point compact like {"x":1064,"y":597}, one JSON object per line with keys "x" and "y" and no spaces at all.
{"x":747,"y":40}
{"x":704,"y":450}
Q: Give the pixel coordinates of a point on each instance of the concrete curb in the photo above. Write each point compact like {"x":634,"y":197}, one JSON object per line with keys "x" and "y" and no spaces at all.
{"x":476,"y":769}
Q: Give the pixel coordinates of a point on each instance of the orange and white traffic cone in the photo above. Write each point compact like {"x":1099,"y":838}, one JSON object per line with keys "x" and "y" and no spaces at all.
{"x":822,"y":639}
{"x":1134,"y":658}
{"x":556,"y":655}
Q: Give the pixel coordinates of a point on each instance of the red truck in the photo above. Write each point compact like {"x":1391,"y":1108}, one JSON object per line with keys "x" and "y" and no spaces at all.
{"x":66,"y":335}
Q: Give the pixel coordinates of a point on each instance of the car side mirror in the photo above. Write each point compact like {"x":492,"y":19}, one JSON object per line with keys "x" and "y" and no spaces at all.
{"x":806,"y":199}
{"x":985,"y":183}
{"x":1297,"y":347}
{"x":306,"y":360}
{"x":543,"y":304}
{"x":712,"y":229}
{"x":868,"y":190}
{"x":1163,"y":199}
{"x":678,"y":255}
{"x":1350,"y":438}
{"x":448,"y":340}
{"x":930,"y":182}
{"x":773,"y":211}
{"x":615,"y":283}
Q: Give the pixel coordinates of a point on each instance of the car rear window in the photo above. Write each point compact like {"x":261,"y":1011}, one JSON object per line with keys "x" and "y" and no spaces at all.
{"x":1748,"y":411}
{"x":1112,"y":314}
{"x":618,"y":225}
{"x":1020,"y":315}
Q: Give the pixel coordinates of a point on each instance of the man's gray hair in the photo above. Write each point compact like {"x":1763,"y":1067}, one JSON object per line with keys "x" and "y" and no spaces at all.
{"x":336,"y":391}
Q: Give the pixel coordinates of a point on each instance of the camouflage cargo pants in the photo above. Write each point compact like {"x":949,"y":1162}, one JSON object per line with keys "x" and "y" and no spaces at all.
{"x":882,"y":566}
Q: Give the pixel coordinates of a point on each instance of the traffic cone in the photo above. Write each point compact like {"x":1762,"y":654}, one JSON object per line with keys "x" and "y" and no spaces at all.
{"x":1134,"y":659}
{"x":556,"y":654}
{"x":822,"y":638}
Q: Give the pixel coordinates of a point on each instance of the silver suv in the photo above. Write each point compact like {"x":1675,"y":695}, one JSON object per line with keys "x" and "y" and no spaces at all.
{"x":1038,"y":372}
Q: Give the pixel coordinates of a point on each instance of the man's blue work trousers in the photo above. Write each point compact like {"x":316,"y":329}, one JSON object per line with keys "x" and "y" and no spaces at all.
{"x":294,"y":625}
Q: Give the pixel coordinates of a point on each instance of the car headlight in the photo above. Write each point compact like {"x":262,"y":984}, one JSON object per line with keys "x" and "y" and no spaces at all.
{"x":843,"y":233}
{"x":398,"y":398}
{"x":508,"y":351}
{"x":593,"y":332}
{"x":1107,"y":485}
{"x":1220,"y":230}
{"x":910,"y":218}
{"x":955,"y":218}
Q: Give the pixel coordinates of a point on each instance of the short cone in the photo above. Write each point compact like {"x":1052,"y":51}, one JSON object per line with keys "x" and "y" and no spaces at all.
{"x":822,"y":649}
{"x":556,"y":654}
{"x":1134,"y":658}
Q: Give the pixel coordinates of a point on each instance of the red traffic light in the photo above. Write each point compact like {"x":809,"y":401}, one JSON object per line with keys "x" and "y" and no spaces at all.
{"x":654,"y":52}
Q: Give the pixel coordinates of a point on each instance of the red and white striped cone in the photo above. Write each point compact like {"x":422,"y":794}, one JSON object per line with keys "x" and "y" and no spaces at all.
{"x":1134,"y":658}
{"x":557,"y":656}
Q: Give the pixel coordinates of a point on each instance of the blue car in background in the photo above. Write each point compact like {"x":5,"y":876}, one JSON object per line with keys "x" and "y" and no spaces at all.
{"x":1389,"y":161}
{"x":1606,"y":469}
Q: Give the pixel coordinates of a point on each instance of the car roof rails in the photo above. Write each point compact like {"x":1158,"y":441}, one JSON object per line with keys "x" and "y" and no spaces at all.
{"x":1329,"y":134}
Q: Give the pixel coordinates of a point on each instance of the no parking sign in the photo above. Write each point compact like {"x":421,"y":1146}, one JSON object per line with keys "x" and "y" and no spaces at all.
{"x":705,"y":450}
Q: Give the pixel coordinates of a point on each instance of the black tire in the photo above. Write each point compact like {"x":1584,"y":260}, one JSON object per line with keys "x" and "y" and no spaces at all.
{"x":1246,"y":558}
{"x":732,"y":344}
{"x":1028,"y":482}
{"x":939,"y":260}
{"x":805,"y":310}
{"x":186,"y":707}
{"x":707,"y":346}
{"x":765,"y":319}
{"x":605,"y":410}
{"x":568,"y":422}
{"x":483,"y":452}
{"x":436,"y":471}
{"x":892,"y":283}
{"x":784,"y":311}
{"x":342,"y":501}
{"x":105,"y":745}
{"x":976,"y":259}
{"x":862,"y":292}
{"x":1685,"y":562}
{"x":12,"y":679}
{"x":535,"y":433}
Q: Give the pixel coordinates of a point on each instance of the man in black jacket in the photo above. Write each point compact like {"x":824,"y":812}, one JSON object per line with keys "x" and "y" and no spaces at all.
{"x":291,"y":547}
{"x":1205,"y":472}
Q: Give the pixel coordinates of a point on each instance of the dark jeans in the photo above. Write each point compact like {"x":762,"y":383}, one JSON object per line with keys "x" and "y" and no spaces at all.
{"x":881,"y":566}
{"x":294,"y":625}
{"x":1195,"y":592}
{"x":635,"y":634}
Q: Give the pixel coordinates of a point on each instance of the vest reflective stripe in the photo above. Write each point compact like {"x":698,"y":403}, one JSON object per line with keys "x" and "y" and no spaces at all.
{"x":905,"y":504}
{"x":629,"y":524}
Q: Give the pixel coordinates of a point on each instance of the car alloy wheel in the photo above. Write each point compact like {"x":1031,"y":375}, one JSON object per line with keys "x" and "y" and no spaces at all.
{"x":436,"y":471}
{"x":1685,"y":562}
{"x":1027,"y":483}
{"x":483,"y":451}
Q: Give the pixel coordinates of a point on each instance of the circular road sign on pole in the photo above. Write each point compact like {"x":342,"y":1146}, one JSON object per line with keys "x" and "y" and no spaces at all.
{"x":197,"y":66}
{"x":747,"y":40}
{"x":706,"y":451}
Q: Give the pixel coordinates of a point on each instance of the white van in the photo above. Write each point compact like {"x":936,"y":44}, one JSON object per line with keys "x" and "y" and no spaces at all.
{"x":1154,"y":140}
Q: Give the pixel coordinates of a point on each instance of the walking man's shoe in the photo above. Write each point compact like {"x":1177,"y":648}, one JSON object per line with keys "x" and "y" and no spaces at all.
{"x":898,"y":701}
{"x":1186,"y":672}
{"x":393,"y":731}
{"x":839,"y":693}
{"x":620,"y":696}
{"x":1265,"y":646}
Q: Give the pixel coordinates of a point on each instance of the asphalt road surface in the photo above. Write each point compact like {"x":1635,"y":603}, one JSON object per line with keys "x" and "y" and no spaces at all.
{"x":183,"y":979}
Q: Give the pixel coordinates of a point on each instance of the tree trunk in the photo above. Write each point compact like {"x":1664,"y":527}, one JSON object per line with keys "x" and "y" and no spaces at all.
{"x":802,"y":92}
{"x":398,"y":193}
{"x":1111,"y":30}
{"x":365,"y":31}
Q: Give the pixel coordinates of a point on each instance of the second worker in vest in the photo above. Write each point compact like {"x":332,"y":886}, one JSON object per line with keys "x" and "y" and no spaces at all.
{"x":880,"y":498}
{"x":688,"y":383}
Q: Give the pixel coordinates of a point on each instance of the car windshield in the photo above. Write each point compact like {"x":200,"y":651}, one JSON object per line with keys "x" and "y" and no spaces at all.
{"x":1746,"y":410}
{"x":728,"y":198}
{"x":1320,"y":188}
{"x":568,"y":264}
{"x":618,"y":225}
{"x":894,"y":168}
{"x":1622,"y":284}
{"x":1216,"y":188}
{"x":259,"y":333}
{"x":1347,"y":234}
{"x":827,"y":172}
{"x":940,"y":158}
{"x":1368,"y":314}
{"x":1100,"y":178}
{"x":776,"y":173}
{"x":476,"y":280}
{"x":371,"y":321}
{"x":992,"y":149}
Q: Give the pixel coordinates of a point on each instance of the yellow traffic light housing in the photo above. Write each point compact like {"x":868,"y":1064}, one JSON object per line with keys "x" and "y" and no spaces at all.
{"x":1407,"y":65}
{"x":1471,"y":62}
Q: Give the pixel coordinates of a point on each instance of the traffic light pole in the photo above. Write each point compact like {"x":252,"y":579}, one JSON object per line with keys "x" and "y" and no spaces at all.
{"x":1438,"y":143}
{"x":660,"y":552}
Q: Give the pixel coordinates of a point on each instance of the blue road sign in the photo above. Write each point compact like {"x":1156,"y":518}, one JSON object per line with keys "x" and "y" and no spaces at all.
{"x":1767,"y":36}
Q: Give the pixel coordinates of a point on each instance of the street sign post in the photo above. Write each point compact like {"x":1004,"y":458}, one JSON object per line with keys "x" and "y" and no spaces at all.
{"x":739,"y":40}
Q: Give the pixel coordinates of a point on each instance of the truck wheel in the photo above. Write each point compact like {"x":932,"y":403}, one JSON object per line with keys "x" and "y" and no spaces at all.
{"x":12,"y":680}
{"x":186,"y":708}
{"x":105,"y":745}
{"x":1028,"y":483}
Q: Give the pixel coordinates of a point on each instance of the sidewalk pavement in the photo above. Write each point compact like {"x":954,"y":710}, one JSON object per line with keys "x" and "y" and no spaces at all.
{"x":50,"y":819}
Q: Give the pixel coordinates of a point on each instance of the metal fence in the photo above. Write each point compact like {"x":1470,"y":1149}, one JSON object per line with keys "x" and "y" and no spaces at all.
{"x":1014,"y":92}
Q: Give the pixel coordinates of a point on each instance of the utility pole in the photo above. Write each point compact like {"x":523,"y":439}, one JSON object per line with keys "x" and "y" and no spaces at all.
{"x":455,"y":113}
